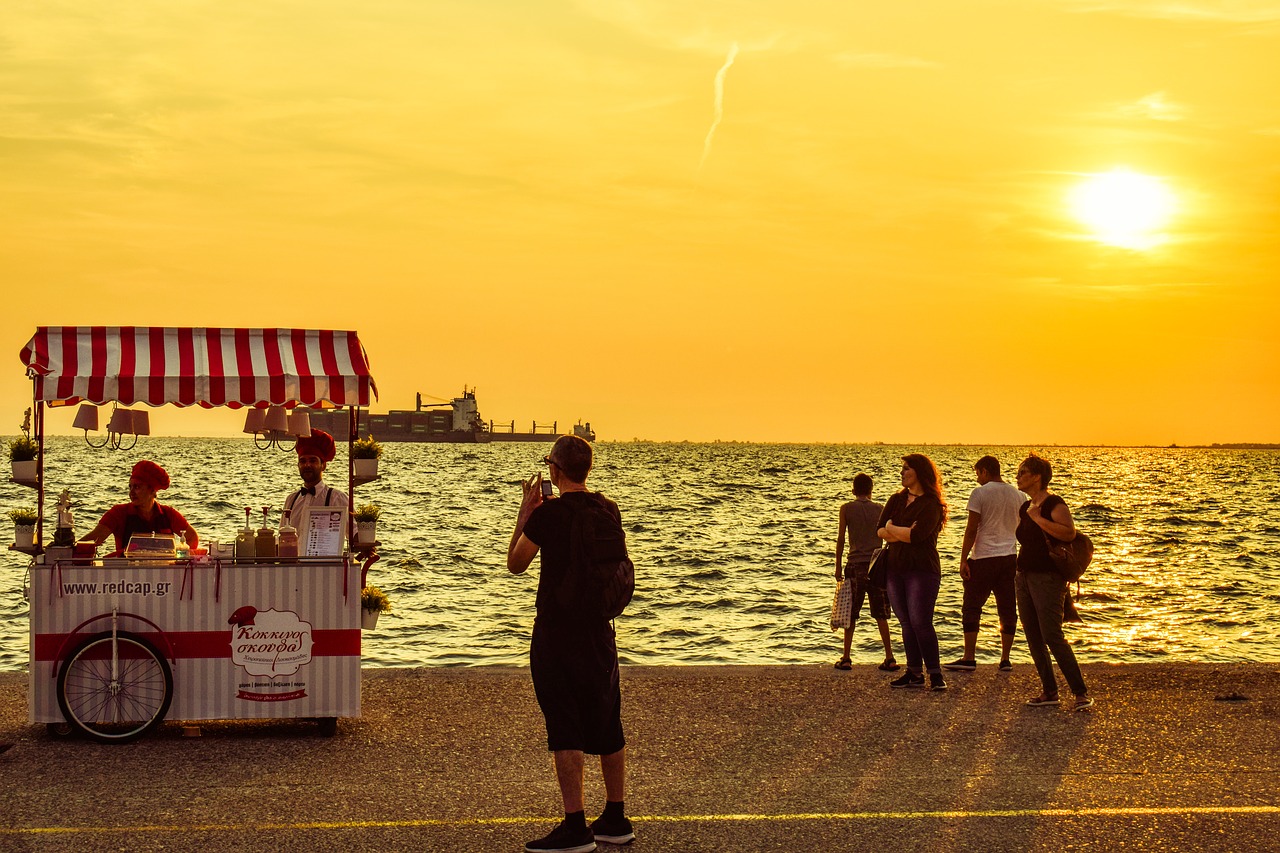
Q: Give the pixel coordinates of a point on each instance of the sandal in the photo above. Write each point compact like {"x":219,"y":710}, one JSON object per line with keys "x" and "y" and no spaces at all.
{"x":1042,"y":700}
{"x":890,"y":665}
{"x":844,"y":663}
{"x":1083,"y":703}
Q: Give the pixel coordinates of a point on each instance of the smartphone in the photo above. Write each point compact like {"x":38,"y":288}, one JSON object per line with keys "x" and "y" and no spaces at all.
{"x":546,"y":488}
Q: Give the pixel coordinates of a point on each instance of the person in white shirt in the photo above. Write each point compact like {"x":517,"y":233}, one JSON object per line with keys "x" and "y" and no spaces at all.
{"x":315,"y":452}
{"x":989,"y":562}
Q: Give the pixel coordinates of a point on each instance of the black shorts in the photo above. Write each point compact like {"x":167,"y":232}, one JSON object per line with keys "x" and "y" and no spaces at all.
{"x":987,"y":576}
{"x":575,"y":677}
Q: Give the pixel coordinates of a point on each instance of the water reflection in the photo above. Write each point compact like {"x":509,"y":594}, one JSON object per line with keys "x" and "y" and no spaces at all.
{"x":734,"y":544}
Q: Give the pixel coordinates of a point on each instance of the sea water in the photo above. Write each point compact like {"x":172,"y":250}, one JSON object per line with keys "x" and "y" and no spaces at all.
{"x":734,"y":544}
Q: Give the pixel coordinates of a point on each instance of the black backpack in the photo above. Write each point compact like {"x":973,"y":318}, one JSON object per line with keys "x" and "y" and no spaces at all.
{"x":601,"y":577}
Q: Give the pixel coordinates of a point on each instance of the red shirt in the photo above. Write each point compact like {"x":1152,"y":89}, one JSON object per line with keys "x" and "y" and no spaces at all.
{"x":124,"y":520}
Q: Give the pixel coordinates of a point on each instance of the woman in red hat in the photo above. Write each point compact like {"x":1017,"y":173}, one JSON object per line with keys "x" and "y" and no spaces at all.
{"x":143,"y":513}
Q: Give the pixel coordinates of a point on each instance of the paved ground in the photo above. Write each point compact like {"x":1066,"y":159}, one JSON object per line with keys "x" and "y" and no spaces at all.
{"x":722,"y":759}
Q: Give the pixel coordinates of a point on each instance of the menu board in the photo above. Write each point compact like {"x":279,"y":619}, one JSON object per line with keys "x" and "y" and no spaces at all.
{"x":321,"y":531}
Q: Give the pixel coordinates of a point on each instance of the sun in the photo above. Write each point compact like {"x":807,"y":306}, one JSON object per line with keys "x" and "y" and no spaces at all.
{"x":1124,"y":208}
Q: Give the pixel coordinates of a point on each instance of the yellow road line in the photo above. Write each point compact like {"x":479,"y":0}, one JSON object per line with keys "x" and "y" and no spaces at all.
{"x":722,"y":818}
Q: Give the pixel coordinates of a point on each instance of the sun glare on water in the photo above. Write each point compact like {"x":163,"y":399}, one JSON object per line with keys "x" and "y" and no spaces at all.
{"x":1123,"y":208}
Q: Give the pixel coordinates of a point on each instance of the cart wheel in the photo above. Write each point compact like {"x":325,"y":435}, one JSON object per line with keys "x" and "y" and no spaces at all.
{"x":328,"y":726}
{"x":115,"y":707}
{"x":59,"y":730}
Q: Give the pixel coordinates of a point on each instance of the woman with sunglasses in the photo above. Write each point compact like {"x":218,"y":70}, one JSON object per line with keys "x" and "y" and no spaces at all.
{"x":1041,"y":591}
{"x":910,"y":524}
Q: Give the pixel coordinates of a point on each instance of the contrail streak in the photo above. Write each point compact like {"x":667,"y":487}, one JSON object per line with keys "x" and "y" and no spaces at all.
{"x":724,"y":69}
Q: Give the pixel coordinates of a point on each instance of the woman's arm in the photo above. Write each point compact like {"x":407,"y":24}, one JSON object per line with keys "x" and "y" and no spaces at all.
{"x":193,"y":538}
{"x":894,"y":532}
{"x":179,"y":524}
{"x":1059,"y":524}
{"x":97,"y":535}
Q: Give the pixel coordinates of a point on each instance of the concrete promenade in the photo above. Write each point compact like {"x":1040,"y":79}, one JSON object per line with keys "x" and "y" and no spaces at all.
{"x":722,"y":759}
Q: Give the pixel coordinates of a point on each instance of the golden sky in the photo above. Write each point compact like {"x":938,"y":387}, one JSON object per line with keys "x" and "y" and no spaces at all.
{"x":749,"y":219}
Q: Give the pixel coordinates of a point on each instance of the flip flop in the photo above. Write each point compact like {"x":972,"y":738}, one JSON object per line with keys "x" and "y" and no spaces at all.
{"x":844,"y":663}
{"x":890,"y":665}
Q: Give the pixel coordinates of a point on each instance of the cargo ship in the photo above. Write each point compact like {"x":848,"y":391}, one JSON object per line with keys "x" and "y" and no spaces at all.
{"x":457,"y":421}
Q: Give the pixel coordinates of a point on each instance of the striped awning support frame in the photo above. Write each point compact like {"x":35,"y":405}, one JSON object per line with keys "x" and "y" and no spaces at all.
{"x":198,"y":367}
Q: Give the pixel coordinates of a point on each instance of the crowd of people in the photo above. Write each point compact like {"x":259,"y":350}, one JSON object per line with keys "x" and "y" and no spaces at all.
{"x":892,"y":562}
{"x":1005,"y":552}
{"x":888,"y":553}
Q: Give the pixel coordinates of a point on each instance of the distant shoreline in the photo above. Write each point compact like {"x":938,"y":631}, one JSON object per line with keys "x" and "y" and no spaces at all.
{"x":737,"y":441}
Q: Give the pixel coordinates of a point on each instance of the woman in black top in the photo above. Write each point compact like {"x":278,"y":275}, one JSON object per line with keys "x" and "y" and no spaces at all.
{"x":910,"y":524}
{"x":1041,"y":590}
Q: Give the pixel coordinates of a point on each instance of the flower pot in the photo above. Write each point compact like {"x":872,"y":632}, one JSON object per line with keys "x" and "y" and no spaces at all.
{"x":366,"y":532}
{"x":24,"y":472}
{"x":24,"y":535}
{"x":364,"y":467}
{"x":369,"y":619}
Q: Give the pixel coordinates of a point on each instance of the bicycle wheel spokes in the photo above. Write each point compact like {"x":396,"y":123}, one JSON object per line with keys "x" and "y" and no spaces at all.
{"x":115,"y":706}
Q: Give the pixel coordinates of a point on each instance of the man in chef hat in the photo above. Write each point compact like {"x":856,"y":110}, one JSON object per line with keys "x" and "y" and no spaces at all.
{"x":315,"y":452}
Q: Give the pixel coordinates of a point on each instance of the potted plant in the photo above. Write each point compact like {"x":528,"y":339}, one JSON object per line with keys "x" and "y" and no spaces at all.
{"x":24,"y":527}
{"x":373,"y":603}
{"x":366,"y":517}
{"x":365,"y":453}
{"x":22,"y":455}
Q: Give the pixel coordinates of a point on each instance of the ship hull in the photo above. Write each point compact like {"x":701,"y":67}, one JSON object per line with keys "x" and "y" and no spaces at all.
{"x":415,"y":429}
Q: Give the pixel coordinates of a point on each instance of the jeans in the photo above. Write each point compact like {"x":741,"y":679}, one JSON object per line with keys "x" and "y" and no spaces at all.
{"x":913,"y":596}
{"x":1040,"y":597}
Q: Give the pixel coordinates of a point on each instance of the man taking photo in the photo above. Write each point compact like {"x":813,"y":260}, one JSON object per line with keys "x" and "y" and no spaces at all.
{"x":572,"y":656}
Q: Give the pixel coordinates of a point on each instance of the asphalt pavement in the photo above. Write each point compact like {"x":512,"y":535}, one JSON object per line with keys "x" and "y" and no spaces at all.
{"x":784,"y":758}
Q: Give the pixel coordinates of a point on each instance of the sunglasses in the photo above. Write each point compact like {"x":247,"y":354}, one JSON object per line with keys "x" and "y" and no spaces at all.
{"x":547,"y":460}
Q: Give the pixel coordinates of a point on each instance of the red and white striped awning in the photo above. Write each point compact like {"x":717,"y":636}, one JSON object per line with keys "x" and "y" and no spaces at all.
{"x":197,"y":367}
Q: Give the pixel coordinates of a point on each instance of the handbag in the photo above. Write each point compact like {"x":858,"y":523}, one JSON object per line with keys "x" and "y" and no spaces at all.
{"x":877,"y":569}
{"x":842,"y":605}
{"x":1070,"y":559}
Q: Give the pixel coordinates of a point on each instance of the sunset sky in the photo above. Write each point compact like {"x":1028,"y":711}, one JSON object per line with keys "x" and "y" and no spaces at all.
{"x":1028,"y":222}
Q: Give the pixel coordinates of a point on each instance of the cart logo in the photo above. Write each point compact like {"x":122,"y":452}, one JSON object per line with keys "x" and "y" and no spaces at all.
{"x":269,"y":642}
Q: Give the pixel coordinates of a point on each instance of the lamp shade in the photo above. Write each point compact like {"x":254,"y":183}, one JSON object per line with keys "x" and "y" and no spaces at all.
{"x":141,"y":423}
{"x":255,"y":420}
{"x":121,"y":422}
{"x":86,"y":418}
{"x":299,"y":423}
{"x":277,"y":419}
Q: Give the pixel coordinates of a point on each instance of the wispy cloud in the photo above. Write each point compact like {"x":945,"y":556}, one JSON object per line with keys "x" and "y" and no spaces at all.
{"x":1156,"y":107}
{"x":1229,"y":11}
{"x":719,"y":106}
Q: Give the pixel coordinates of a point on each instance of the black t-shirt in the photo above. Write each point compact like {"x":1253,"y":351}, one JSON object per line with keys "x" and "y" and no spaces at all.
{"x":548,"y":528}
{"x":1033,"y":550}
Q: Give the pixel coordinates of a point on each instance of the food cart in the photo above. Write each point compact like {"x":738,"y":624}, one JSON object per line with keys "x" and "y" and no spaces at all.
{"x":119,"y":645}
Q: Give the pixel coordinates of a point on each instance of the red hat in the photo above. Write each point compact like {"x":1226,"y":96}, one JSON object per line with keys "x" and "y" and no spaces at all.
{"x":150,"y":474}
{"x":319,"y":443}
